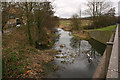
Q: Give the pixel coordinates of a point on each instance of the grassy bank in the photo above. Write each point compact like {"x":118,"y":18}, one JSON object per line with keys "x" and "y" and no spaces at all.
{"x":21,"y":60}
{"x":102,"y":34}
{"x":108,"y":28}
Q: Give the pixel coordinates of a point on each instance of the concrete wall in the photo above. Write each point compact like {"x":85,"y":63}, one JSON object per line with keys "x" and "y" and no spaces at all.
{"x":113,"y":64}
{"x":101,"y":36}
{"x":102,"y":68}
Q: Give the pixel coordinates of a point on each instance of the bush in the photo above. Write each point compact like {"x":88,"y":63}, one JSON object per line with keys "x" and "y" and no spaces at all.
{"x":75,"y":22}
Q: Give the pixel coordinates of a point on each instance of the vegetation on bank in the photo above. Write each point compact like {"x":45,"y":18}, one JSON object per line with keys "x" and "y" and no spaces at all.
{"x":20,"y":57}
{"x":26,"y":50}
{"x":36,"y":14}
{"x":108,"y":28}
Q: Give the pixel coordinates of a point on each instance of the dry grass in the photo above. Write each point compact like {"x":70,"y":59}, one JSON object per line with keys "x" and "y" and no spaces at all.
{"x":19,"y":56}
{"x":66,"y":24}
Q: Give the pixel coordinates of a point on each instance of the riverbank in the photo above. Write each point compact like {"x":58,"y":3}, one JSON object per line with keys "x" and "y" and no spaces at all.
{"x":66,"y":25}
{"x":108,"y":28}
{"x":21,"y":60}
{"x":100,"y":34}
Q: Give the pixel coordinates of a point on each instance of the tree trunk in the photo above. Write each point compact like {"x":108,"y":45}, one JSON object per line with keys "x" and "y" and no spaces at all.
{"x":28,"y":25}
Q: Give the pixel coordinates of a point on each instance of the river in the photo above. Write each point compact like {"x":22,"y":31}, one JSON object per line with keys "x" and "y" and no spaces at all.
{"x":77,"y":58}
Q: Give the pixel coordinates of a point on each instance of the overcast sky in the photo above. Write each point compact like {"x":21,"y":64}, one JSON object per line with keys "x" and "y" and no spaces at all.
{"x":66,"y":8}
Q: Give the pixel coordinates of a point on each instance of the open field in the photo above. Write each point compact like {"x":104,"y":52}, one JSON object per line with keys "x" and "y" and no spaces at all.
{"x":66,"y":24}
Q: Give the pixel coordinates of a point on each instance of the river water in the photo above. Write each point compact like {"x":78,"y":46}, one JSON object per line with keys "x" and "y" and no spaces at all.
{"x":77,"y":58}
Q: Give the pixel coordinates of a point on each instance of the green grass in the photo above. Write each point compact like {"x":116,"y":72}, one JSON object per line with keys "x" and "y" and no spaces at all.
{"x":109,"y":28}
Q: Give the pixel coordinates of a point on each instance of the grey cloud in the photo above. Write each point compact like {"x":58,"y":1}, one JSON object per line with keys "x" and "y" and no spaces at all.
{"x":66,"y":8}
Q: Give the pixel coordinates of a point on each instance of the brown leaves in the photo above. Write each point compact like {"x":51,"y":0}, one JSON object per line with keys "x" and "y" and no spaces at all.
{"x":47,"y":58}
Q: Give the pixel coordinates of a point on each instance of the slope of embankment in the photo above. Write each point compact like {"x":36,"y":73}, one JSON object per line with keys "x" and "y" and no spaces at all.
{"x":20,"y":59}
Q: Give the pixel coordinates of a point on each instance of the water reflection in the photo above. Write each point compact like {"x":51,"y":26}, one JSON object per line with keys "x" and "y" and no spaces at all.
{"x":99,"y":47}
{"x":91,"y":53}
{"x":75,"y":43}
{"x":73,"y":58}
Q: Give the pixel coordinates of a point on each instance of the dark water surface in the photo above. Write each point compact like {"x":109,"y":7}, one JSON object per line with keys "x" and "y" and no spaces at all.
{"x":75,"y":55}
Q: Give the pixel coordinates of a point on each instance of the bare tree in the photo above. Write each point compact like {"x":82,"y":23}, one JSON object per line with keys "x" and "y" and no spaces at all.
{"x":80,"y":21}
{"x":28,"y":7}
{"x":97,"y":7}
{"x":75,"y":22}
{"x":101,"y":12}
{"x":44,"y":18}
